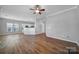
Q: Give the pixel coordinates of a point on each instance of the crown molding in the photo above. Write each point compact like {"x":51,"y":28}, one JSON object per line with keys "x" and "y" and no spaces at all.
{"x":62,"y":11}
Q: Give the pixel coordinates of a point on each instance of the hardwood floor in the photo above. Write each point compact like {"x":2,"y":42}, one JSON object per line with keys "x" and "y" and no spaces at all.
{"x":23,"y":44}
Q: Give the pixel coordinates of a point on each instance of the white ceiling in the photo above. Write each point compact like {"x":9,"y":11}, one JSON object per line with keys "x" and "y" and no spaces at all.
{"x":22,"y":12}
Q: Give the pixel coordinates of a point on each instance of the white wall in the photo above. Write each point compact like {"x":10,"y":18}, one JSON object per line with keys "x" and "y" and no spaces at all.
{"x":0,"y":26}
{"x":77,"y":24}
{"x":3,"y":26}
{"x":39,"y":26}
{"x":63,"y":26}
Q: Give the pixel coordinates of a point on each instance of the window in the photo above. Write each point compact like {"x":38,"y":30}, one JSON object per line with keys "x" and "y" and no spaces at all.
{"x":12,"y":27}
{"x":9,"y":27}
{"x":15,"y":27}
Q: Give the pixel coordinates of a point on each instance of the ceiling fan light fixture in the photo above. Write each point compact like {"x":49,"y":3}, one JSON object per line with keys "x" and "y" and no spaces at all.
{"x":37,"y":11}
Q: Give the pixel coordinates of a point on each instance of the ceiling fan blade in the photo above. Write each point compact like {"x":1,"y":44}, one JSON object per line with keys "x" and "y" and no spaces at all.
{"x":40,"y":13}
{"x":42,"y":9}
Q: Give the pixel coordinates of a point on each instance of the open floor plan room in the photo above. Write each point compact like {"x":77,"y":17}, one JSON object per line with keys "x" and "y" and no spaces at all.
{"x":39,"y":29}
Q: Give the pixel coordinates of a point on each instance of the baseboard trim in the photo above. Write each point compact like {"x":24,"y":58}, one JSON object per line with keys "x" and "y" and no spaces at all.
{"x":77,"y":43}
{"x":65,"y":40}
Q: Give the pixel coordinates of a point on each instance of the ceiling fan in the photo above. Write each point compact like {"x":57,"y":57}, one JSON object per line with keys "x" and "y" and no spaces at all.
{"x":37,"y":9}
